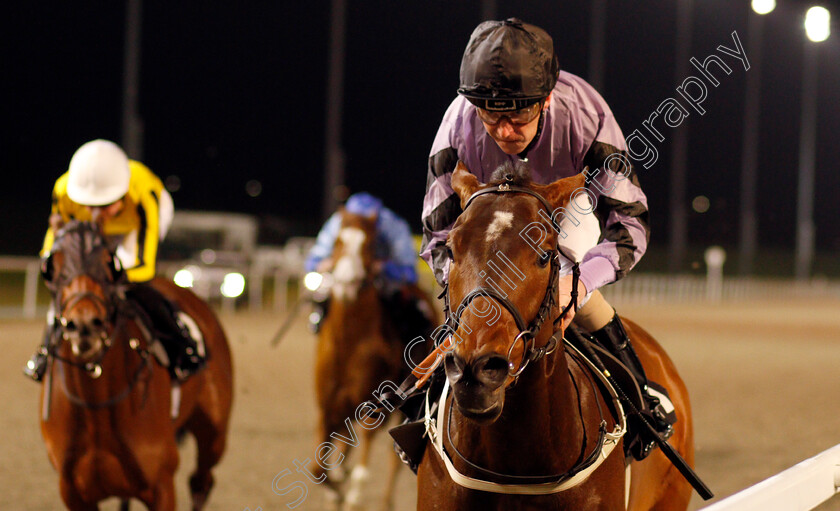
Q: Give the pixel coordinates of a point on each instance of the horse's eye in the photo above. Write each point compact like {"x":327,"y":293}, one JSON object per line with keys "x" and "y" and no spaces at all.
{"x":544,"y":259}
{"x":449,"y":254}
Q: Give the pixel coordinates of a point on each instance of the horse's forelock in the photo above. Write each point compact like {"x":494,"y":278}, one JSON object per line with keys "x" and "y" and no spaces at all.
{"x":80,"y":242}
{"x":518,"y":173}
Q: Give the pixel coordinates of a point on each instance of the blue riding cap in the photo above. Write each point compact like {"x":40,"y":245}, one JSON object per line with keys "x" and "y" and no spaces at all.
{"x":363,"y":203}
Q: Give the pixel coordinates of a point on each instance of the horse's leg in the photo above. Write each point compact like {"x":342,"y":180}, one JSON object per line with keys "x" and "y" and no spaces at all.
{"x":163,"y":495}
{"x":360,"y":473}
{"x":673,"y":499}
{"x":391,"y":484}
{"x":334,"y":478}
{"x":210,"y":444}
{"x":71,"y":497}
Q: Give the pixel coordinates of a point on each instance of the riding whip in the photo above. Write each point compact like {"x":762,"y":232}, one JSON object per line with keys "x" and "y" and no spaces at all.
{"x":287,"y":323}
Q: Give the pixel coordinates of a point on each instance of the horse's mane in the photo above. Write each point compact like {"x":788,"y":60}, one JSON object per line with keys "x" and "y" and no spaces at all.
{"x":518,"y":174}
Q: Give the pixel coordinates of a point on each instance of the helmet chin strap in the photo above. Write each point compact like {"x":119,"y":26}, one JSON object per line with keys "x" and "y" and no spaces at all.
{"x":524,"y":154}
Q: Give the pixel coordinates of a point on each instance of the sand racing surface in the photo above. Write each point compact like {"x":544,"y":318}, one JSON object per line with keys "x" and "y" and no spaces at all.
{"x":761,"y":375}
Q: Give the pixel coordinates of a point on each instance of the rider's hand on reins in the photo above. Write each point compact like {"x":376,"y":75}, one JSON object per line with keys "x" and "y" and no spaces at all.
{"x":565,"y":296}
{"x":56,"y":222}
{"x":378,"y":267}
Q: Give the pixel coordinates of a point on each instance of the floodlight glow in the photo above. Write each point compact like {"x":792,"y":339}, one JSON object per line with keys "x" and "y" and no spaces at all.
{"x":184,"y":278}
{"x":763,"y":6}
{"x":313,"y":280}
{"x":233,"y":285}
{"x":817,"y":24}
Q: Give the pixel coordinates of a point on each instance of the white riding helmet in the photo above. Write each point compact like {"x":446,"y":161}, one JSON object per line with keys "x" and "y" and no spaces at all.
{"x":98,"y":174}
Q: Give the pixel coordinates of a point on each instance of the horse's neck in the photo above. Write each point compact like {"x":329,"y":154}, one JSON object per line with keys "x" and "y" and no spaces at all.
{"x":356,"y":318}
{"x":540,"y":429}
{"x":364,"y":303}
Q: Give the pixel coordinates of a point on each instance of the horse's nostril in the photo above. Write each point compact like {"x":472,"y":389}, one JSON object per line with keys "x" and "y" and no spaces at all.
{"x":495,"y":364}
{"x":492,"y":370}
{"x":454,"y":366}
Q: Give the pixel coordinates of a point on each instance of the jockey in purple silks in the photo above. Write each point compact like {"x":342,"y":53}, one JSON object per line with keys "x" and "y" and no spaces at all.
{"x":514,"y":106}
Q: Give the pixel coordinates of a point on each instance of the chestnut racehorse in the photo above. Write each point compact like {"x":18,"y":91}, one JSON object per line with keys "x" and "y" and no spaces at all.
{"x":109,"y":411}
{"x":359,"y":356}
{"x":525,"y":426}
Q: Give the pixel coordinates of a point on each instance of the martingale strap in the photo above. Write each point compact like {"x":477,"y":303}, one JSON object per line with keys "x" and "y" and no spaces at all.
{"x":570,"y":479}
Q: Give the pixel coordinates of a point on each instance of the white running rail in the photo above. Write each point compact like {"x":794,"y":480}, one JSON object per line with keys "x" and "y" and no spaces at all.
{"x":32,"y":268}
{"x":800,"y":488}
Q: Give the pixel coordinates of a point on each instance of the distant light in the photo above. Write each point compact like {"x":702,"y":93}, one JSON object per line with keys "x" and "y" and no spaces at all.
{"x":763,"y":6}
{"x":312,"y":280}
{"x":700,"y":204}
{"x":184,"y":278}
{"x":818,"y":24}
{"x":233,"y":285}
{"x":253,"y":188}
{"x":715,"y":256}
{"x":172,"y":183}
{"x":208,"y":256}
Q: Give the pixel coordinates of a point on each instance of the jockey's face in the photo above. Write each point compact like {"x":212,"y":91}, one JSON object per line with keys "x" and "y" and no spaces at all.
{"x":513,"y":137}
{"x":106,"y":212}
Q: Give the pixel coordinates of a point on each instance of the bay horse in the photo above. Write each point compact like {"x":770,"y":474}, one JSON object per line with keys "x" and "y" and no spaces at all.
{"x":359,"y":356}
{"x":525,"y":425}
{"x":110,"y":413}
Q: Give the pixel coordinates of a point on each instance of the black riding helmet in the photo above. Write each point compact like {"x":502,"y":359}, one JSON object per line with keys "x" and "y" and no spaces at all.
{"x":508,"y":65}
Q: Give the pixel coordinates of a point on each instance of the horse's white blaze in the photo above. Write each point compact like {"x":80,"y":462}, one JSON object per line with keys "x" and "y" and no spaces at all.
{"x":349,"y":270}
{"x":502,"y":220}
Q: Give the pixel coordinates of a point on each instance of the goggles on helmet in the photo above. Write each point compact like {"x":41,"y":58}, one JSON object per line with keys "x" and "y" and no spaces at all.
{"x":521,"y":116}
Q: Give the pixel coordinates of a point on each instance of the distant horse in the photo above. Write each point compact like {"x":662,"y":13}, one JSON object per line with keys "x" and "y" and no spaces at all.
{"x":525,"y":425}
{"x":359,"y":350}
{"x":109,"y":412}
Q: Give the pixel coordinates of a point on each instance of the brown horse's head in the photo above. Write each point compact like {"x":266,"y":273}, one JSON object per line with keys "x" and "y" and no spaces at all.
{"x":353,"y":257}
{"x":83,"y":276}
{"x":504,"y":251}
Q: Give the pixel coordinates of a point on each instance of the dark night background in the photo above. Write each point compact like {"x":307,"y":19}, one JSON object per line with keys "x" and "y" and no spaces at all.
{"x":232,"y":92}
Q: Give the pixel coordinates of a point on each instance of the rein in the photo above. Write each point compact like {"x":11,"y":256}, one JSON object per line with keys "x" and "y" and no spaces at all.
{"x":587,"y":459}
{"x":607,"y":442}
{"x":144,"y":366}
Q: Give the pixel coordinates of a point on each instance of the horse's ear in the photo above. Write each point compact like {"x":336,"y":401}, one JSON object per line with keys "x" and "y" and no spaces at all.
{"x":464,"y":183}
{"x":557,"y":193}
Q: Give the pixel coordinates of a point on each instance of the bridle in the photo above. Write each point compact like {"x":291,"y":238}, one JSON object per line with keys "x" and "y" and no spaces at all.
{"x":86,"y":247}
{"x":527,"y":332}
{"x":606,"y":442}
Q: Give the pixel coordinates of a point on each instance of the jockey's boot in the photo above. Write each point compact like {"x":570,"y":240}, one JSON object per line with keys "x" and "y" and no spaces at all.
{"x":614,"y":338}
{"x":36,"y":366}
{"x":181,"y":349}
